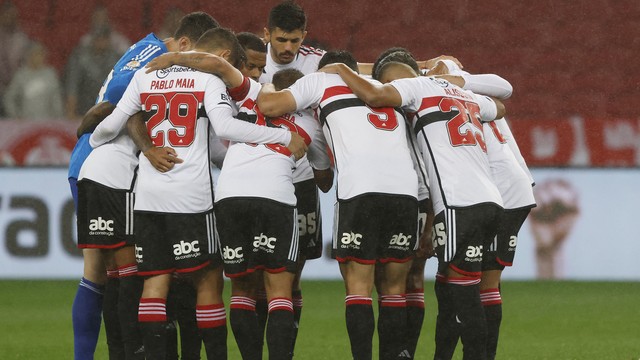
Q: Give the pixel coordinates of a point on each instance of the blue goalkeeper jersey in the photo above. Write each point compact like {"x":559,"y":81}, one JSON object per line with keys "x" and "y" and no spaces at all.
{"x":138,"y":55}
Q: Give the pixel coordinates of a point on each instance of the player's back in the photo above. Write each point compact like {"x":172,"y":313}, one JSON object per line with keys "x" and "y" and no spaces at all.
{"x":448,"y":125}
{"x":369,"y":145}
{"x":174,"y":102}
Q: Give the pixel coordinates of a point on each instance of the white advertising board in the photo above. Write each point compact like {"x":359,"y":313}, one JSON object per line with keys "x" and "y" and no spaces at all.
{"x":599,"y":241}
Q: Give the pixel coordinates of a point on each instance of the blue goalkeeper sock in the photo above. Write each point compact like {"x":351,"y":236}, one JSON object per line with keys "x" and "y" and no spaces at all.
{"x":87,"y":316}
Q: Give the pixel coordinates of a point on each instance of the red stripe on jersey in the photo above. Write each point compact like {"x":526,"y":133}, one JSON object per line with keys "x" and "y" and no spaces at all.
{"x":334,"y":91}
{"x":248,"y":104}
{"x":199,"y":95}
{"x":430,"y":102}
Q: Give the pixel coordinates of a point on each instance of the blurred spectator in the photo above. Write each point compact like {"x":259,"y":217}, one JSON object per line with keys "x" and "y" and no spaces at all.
{"x":14,"y":45}
{"x":99,"y":20}
{"x":86,"y":70}
{"x":34,"y":92}
{"x":170,"y":23}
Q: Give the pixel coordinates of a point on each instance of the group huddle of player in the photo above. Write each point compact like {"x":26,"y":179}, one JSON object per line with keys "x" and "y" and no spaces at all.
{"x":422,"y":167}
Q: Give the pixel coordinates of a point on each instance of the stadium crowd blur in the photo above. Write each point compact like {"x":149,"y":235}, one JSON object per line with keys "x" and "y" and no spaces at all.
{"x":570,"y":62}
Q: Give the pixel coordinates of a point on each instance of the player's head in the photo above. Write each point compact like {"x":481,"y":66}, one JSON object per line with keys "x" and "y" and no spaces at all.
{"x":340,"y":56}
{"x":393,"y":70}
{"x":190,"y":29}
{"x":256,"y":52}
{"x":222,"y":42}
{"x":285,"y":31}
{"x":394,"y":54}
{"x":401,"y":57}
{"x":285,"y":78}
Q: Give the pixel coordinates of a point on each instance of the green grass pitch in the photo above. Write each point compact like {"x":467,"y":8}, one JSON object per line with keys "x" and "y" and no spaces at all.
{"x":542,"y":320}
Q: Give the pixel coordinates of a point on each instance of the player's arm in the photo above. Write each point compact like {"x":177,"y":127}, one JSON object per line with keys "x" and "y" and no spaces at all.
{"x":320,"y":161}
{"x":485,"y":84}
{"x":161,"y":158}
{"x":93,"y":117}
{"x":109,"y":128}
{"x":373,"y":94}
{"x":201,"y":61}
{"x":275,"y":103}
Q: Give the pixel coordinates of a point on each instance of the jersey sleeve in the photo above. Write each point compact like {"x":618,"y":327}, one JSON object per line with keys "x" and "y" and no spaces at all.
{"x":220,"y":113}
{"x":308,"y":90}
{"x":409,"y":91}
{"x":317,"y":152}
{"x":488,"y":109}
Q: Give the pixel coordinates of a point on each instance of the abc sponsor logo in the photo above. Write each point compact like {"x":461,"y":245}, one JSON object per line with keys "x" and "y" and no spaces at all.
{"x":138,"y":252}
{"x":473,"y":253}
{"x":231,"y":255}
{"x":100,"y":226}
{"x":351,"y":240}
{"x":400,"y":241}
{"x":263,"y":242}
{"x":513,"y":242}
{"x":186,"y":249}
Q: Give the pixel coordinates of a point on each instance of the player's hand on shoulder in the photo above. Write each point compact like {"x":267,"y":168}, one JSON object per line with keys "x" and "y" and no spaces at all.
{"x":439,"y":69}
{"x":432,"y":62}
{"x":162,"y":158}
{"x":161,"y":62}
{"x":297,"y":145}
{"x":330,"y":69}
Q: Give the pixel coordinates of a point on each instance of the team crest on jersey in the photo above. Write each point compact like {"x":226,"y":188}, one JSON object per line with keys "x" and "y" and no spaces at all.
{"x":132,"y":65}
{"x":443,"y":83}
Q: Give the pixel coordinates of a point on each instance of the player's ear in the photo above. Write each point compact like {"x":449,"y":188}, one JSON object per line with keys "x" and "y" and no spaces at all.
{"x":304,"y":34}
{"x":267,"y":36}
{"x":184,"y":44}
{"x":225,"y":54}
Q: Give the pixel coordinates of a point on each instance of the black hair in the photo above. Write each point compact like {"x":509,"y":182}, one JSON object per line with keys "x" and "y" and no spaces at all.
{"x":340,"y":56}
{"x":384,"y":54}
{"x":400,"y":57}
{"x":285,"y":78}
{"x":194,"y":24}
{"x":251,"y":41}
{"x":287,"y":16}
{"x":384,"y":65}
{"x":225,"y":39}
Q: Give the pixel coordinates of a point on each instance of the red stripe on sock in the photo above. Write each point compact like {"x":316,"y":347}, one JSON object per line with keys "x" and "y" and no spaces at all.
{"x":280,"y":304}
{"x":393,"y":300}
{"x":415,"y":298}
{"x":152,"y":310}
{"x":357,"y":300}
{"x":211,"y":316}
{"x":243,"y":303}
{"x":128,"y":270}
{"x":490,"y":297}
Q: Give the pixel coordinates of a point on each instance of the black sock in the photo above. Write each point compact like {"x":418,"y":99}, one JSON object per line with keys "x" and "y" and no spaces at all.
{"x":244,"y":324}
{"x":465,"y":294}
{"x":152,"y":316}
{"x":212,"y":323}
{"x":447,"y":328}
{"x":492,"y":303}
{"x":360,"y":326}
{"x":415,"y":318}
{"x":280,"y":328}
{"x":128,"y":300}
{"x":296,"y":298}
{"x":110,"y":315}
{"x":392,"y":326}
{"x":184,"y":300}
{"x":262,"y":313}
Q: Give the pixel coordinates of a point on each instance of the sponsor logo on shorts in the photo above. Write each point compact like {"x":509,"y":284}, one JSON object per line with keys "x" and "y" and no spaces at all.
{"x":513,"y":242}
{"x":138,"y":252}
{"x":264,"y":243}
{"x":100,"y":226}
{"x":232,"y":256}
{"x":351,"y":240}
{"x":400,"y":241}
{"x":186,"y":249}
{"x":473,"y":254}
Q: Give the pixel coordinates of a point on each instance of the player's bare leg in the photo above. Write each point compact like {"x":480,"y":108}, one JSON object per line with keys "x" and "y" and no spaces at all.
{"x":392,"y":317}
{"x":280,"y":323}
{"x":358,"y":280}
{"x":152,"y":315}
{"x":87,"y":305}
{"x":243,"y":317}
{"x":210,"y":313}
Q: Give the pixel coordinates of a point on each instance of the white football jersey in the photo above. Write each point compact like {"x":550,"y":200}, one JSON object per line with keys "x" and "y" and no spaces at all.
{"x":369,"y":145}
{"x":183,"y":105}
{"x":306,"y":62}
{"x":512,"y":181}
{"x":449,"y":130}
{"x":266,"y":170}
{"x":112,"y":164}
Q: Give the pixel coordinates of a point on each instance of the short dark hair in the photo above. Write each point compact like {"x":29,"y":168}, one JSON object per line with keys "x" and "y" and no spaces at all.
{"x":398,"y":56}
{"x":194,"y":24}
{"x":340,"y":56}
{"x":287,"y":16}
{"x":285,"y":78}
{"x":386,"y":65}
{"x":384,"y":54}
{"x":222,"y":39}
{"x":251,"y":41}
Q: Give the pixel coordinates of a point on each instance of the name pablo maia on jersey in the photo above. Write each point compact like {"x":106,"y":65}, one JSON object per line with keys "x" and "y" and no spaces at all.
{"x":168,"y":84}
